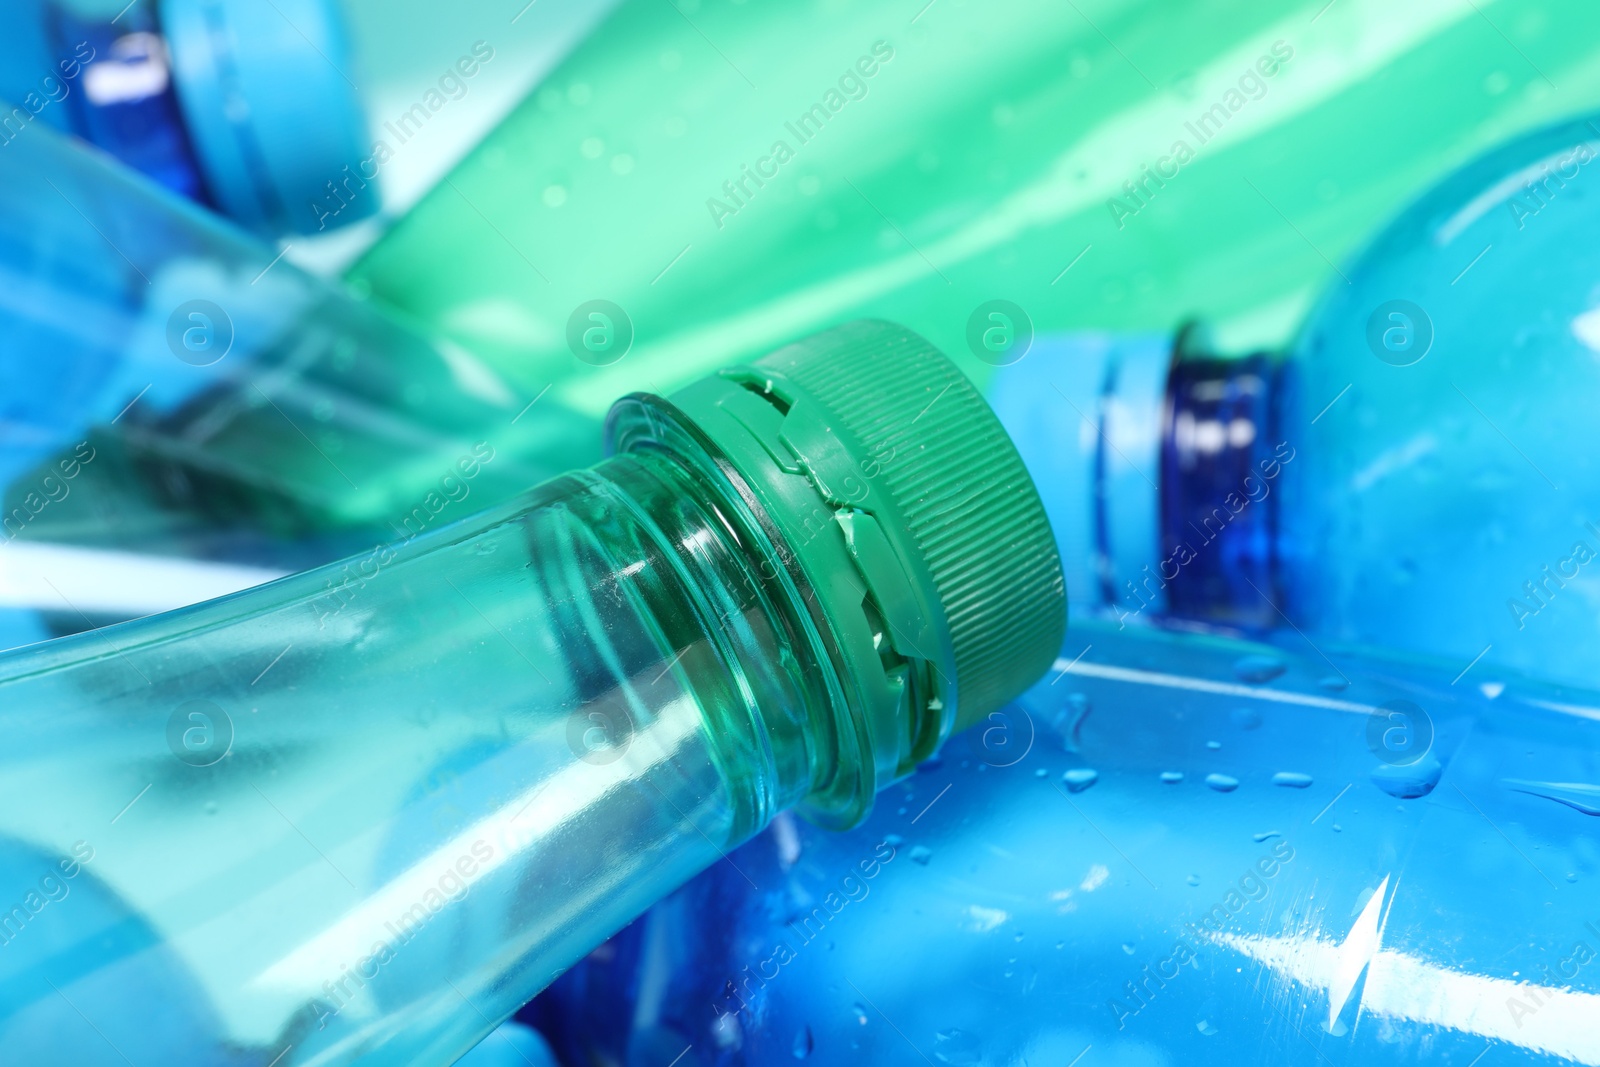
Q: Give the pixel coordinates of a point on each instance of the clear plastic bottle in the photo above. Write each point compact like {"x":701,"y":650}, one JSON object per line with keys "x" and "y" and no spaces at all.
{"x":1176,"y":848}
{"x":362,"y":814}
{"x":1410,"y":476}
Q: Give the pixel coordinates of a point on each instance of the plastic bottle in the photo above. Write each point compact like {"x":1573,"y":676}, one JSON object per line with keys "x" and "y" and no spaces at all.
{"x":246,"y":108}
{"x":1175,"y":848}
{"x":368,"y":824}
{"x":175,"y":390}
{"x":297,"y":119}
{"x":1407,"y":477}
{"x":988,"y":159}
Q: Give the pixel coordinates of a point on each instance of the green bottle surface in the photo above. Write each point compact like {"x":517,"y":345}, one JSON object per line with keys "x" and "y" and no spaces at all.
{"x":729,"y":176}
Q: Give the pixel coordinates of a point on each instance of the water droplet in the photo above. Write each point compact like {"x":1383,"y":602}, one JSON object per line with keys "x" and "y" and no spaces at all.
{"x":1040,"y":772}
{"x":1408,"y":781}
{"x":803,"y":1043}
{"x":921,"y":854}
{"x":957,"y":1048}
{"x":1245,"y":718}
{"x":1492,"y":689}
{"x":1258,"y":669}
{"x":1127,"y":948}
{"x":1572,"y":876}
{"x":1080,"y":778}
{"x":1213,"y":745}
{"x":859,"y":1013}
{"x":1265,"y":835}
{"x":1338,"y":829}
{"x":1172,"y":777}
{"x":1333,"y":683}
{"x":1222,"y":783}
{"x":1193,"y":879}
{"x":1292,"y":780}
{"x":893,"y":840}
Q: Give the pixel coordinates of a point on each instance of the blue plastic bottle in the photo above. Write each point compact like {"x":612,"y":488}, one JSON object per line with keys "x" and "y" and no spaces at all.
{"x":1413,"y":475}
{"x":1175,"y":848}
{"x":245,"y":107}
{"x":184,"y":414}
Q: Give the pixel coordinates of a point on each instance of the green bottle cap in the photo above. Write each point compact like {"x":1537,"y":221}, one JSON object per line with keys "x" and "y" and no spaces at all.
{"x":900,"y":507}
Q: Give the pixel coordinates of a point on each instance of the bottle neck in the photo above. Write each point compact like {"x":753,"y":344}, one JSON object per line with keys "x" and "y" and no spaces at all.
{"x":1220,"y":458}
{"x":507,"y":737}
{"x":1158,"y":463}
{"x":128,"y":106}
{"x":765,"y":682}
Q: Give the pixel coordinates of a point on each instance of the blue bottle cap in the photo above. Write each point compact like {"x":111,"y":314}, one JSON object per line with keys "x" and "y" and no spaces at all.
{"x":269,"y":102}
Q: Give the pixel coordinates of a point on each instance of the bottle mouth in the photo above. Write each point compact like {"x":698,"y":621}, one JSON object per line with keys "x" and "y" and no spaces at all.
{"x":843,"y":729}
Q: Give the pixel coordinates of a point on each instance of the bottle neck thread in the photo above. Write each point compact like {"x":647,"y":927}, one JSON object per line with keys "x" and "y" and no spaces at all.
{"x":762,"y":677}
{"x":1220,"y":457}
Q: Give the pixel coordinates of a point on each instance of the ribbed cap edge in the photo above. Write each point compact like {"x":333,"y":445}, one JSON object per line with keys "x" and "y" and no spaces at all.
{"x":962,"y":493}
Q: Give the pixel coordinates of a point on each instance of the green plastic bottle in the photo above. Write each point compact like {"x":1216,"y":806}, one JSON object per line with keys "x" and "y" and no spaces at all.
{"x":364,"y":813}
{"x":677,"y":166}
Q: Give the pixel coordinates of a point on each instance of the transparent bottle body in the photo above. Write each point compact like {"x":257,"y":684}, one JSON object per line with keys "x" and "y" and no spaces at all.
{"x":1176,"y":848}
{"x":366,"y":824}
{"x":179,"y":391}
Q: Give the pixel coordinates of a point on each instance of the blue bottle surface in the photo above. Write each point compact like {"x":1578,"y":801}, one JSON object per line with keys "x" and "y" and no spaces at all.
{"x":1174,"y":849}
{"x":1410,"y":474}
{"x":1447,"y":499}
{"x":196,"y":417}
{"x":244,"y":108}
